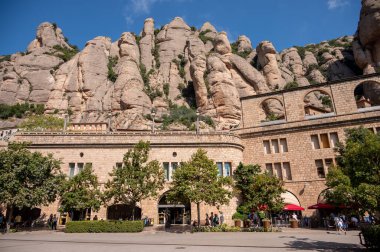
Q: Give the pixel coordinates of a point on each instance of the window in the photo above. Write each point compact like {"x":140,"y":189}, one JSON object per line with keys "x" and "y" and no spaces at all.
{"x":174,"y":166}
{"x":378,"y":130}
{"x":220,"y":168}
{"x":325,"y":141}
{"x":119,"y":165}
{"x":89,"y":165}
{"x":278,"y":170}
{"x":71,"y":169}
{"x":320,"y":168}
{"x":80,"y":167}
{"x":371,"y":129}
{"x":166,"y":170}
{"x":283,"y":145}
{"x":329,"y":163}
{"x":269,"y":168}
{"x":275,"y":147}
{"x":227,"y":169}
{"x":315,"y":142}
{"x":334,"y":139}
{"x":288,"y":173}
{"x":266,"y":147}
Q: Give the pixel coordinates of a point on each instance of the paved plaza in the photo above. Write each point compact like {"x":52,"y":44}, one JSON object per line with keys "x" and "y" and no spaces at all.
{"x":288,"y":240}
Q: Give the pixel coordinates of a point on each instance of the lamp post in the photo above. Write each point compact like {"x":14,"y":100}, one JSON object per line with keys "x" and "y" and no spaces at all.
{"x":153,"y":117}
{"x":109,"y":121}
{"x":65,"y":117}
{"x":197,"y":125}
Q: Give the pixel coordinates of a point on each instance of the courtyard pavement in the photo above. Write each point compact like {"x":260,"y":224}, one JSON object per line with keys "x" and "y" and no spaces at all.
{"x":288,"y":240}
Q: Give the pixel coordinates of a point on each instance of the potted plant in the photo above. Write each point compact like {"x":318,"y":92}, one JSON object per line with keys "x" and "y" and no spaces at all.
{"x":238,"y":218}
{"x":266,"y":223}
{"x":293,"y":223}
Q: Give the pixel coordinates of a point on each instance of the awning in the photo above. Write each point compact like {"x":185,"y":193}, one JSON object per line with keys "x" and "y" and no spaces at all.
{"x":292,"y":207}
{"x":321,"y":206}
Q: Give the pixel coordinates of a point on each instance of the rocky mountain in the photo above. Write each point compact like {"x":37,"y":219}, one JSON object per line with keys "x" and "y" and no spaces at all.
{"x":176,"y":66}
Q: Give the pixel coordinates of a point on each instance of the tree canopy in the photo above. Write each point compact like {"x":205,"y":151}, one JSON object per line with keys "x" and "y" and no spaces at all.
{"x":198,"y":181}
{"x":136,"y":179}
{"x":28,"y":179}
{"x":81,"y":192}
{"x":257,"y":190}
{"x":355,"y":182}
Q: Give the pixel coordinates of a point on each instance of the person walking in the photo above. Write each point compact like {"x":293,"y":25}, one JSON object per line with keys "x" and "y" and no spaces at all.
{"x":207,"y":223}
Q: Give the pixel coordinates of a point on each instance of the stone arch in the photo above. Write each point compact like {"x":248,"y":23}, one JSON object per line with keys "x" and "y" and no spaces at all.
{"x":290,"y":198}
{"x":272,"y":109}
{"x":318,"y":102}
{"x":175,"y":212}
{"x":367,"y":94}
{"x":321,"y":196}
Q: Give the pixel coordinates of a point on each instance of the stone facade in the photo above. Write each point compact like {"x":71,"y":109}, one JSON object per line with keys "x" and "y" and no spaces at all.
{"x":299,"y":148}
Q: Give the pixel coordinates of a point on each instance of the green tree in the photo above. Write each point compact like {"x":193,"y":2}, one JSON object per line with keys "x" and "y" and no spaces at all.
{"x":81,"y":192}
{"x":42,"y":122}
{"x":27,"y":179}
{"x":355,"y":182}
{"x":136,"y":179}
{"x":198,"y":181}
{"x":257,"y":189}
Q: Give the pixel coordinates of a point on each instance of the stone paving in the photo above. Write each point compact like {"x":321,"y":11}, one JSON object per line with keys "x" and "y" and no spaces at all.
{"x":288,"y":240}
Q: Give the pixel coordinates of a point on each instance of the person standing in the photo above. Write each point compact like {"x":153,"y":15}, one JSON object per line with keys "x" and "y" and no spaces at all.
{"x":221,"y":218}
{"x":216,"y":220}
{"x":207,"y":220}
{"x":50,"y":221}
{"x":54,"y":223}
{"x":212,"y":219}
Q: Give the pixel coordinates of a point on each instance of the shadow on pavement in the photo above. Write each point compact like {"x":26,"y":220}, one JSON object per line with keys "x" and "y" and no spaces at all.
{"x":326,"y":246}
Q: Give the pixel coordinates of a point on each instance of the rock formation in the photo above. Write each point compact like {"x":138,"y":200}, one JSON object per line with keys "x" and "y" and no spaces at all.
{"x":176,"y":65}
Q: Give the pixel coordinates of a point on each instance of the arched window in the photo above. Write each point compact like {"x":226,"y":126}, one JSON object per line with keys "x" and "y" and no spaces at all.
{"x":272,"y":110}
{"x":317,"y":103}
{"x":367,"y":94}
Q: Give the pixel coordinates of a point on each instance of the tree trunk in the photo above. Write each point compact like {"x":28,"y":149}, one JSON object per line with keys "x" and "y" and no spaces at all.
{"x":199,"y":214}
{"x":85,"y":214}
{"x":133,"y":211}
{"x":10,"y":209}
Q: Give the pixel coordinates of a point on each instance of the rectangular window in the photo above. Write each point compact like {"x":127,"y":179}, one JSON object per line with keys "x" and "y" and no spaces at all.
{"x":371,"y":129}
{"x":80,"y":167}
{"x":88,"y":165}
{"x":329,"y":163}
{"x":288,"y":173}
{"x":320,"y":169}
{"x":220,"y":168}
{"x":119,"y":165}
{"x":174,"y":166}
{"x":284,"y":145}
{"x":266,"y":147}
{"x":227,"y":169}
{"x":71,"y":169}
{"x":378,"y":130}
{"x":334,"y":139}
{"x":315,"y":142}
{"x":325,"y":141}
{"x":269,"y":168}
{"x":275,"y":146}
{"x":278,"y":170}
{"x":166,"y":170}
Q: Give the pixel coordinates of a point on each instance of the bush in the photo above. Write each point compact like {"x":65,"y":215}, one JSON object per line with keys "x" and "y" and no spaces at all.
{"x":166,"y":89}
{"x":65,"y":53}
{"x":222,"y":228}
{"x":301,"y":51}
{"x":291,"y":85}
{"x":202,"y":36}
{"x":5,"y":58}
{"x":42,"y":122}
{"x":112,"y":61}
{"x":371,"y":236}
{"x":19,"y":110}
{"x":104,"y":226}
{"x":183,"y":115}
{"x":156,"y":55}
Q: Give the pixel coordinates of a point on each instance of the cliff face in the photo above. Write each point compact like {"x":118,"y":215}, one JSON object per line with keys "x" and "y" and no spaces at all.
{"x":176,"y":65}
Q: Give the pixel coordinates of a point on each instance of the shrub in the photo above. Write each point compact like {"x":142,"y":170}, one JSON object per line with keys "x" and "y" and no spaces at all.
{"x":42,"y":122}
{"x":156,"y":55}
{"x":112,"y":61}
{"x":371,"y":236}
{"x":193,"y":28}
{"x":301,"y":51}
{"x":222,"y":228}
{"x":180,"y":62}
{"x":5,"y":58}
{"x":19,"y":110}
{"x":183,"y":115}
{"x":291,"y":85}
{"x":202,"y":36}
{"x":65,"y":53}
{"x":166,"y":89}
{"x":104,"y":226}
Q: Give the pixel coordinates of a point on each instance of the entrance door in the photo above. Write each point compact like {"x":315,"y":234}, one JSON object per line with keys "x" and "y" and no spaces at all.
{"x":177,"y":213}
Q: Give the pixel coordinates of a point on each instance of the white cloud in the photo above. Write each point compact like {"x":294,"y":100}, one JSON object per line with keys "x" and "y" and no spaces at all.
{"x":333,"y":4}
{"x":134,"y":8}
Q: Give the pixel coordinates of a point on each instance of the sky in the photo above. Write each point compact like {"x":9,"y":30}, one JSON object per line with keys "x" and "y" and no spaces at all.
{"x":283,"y":22}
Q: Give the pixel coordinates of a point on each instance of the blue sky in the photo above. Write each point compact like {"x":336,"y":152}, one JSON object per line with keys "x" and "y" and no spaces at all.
{"x":283,"y":22}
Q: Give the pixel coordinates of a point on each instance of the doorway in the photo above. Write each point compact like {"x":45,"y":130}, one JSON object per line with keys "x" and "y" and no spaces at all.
{"x":178,"y":213}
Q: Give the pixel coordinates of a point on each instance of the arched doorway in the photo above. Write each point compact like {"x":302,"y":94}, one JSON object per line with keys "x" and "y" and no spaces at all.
{"x":122,"y":212}
{"x":179,"y":213}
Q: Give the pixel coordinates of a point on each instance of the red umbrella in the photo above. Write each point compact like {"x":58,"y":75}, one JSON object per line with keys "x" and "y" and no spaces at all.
{"x":321,"y":206}
{"x":292,"y":207}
